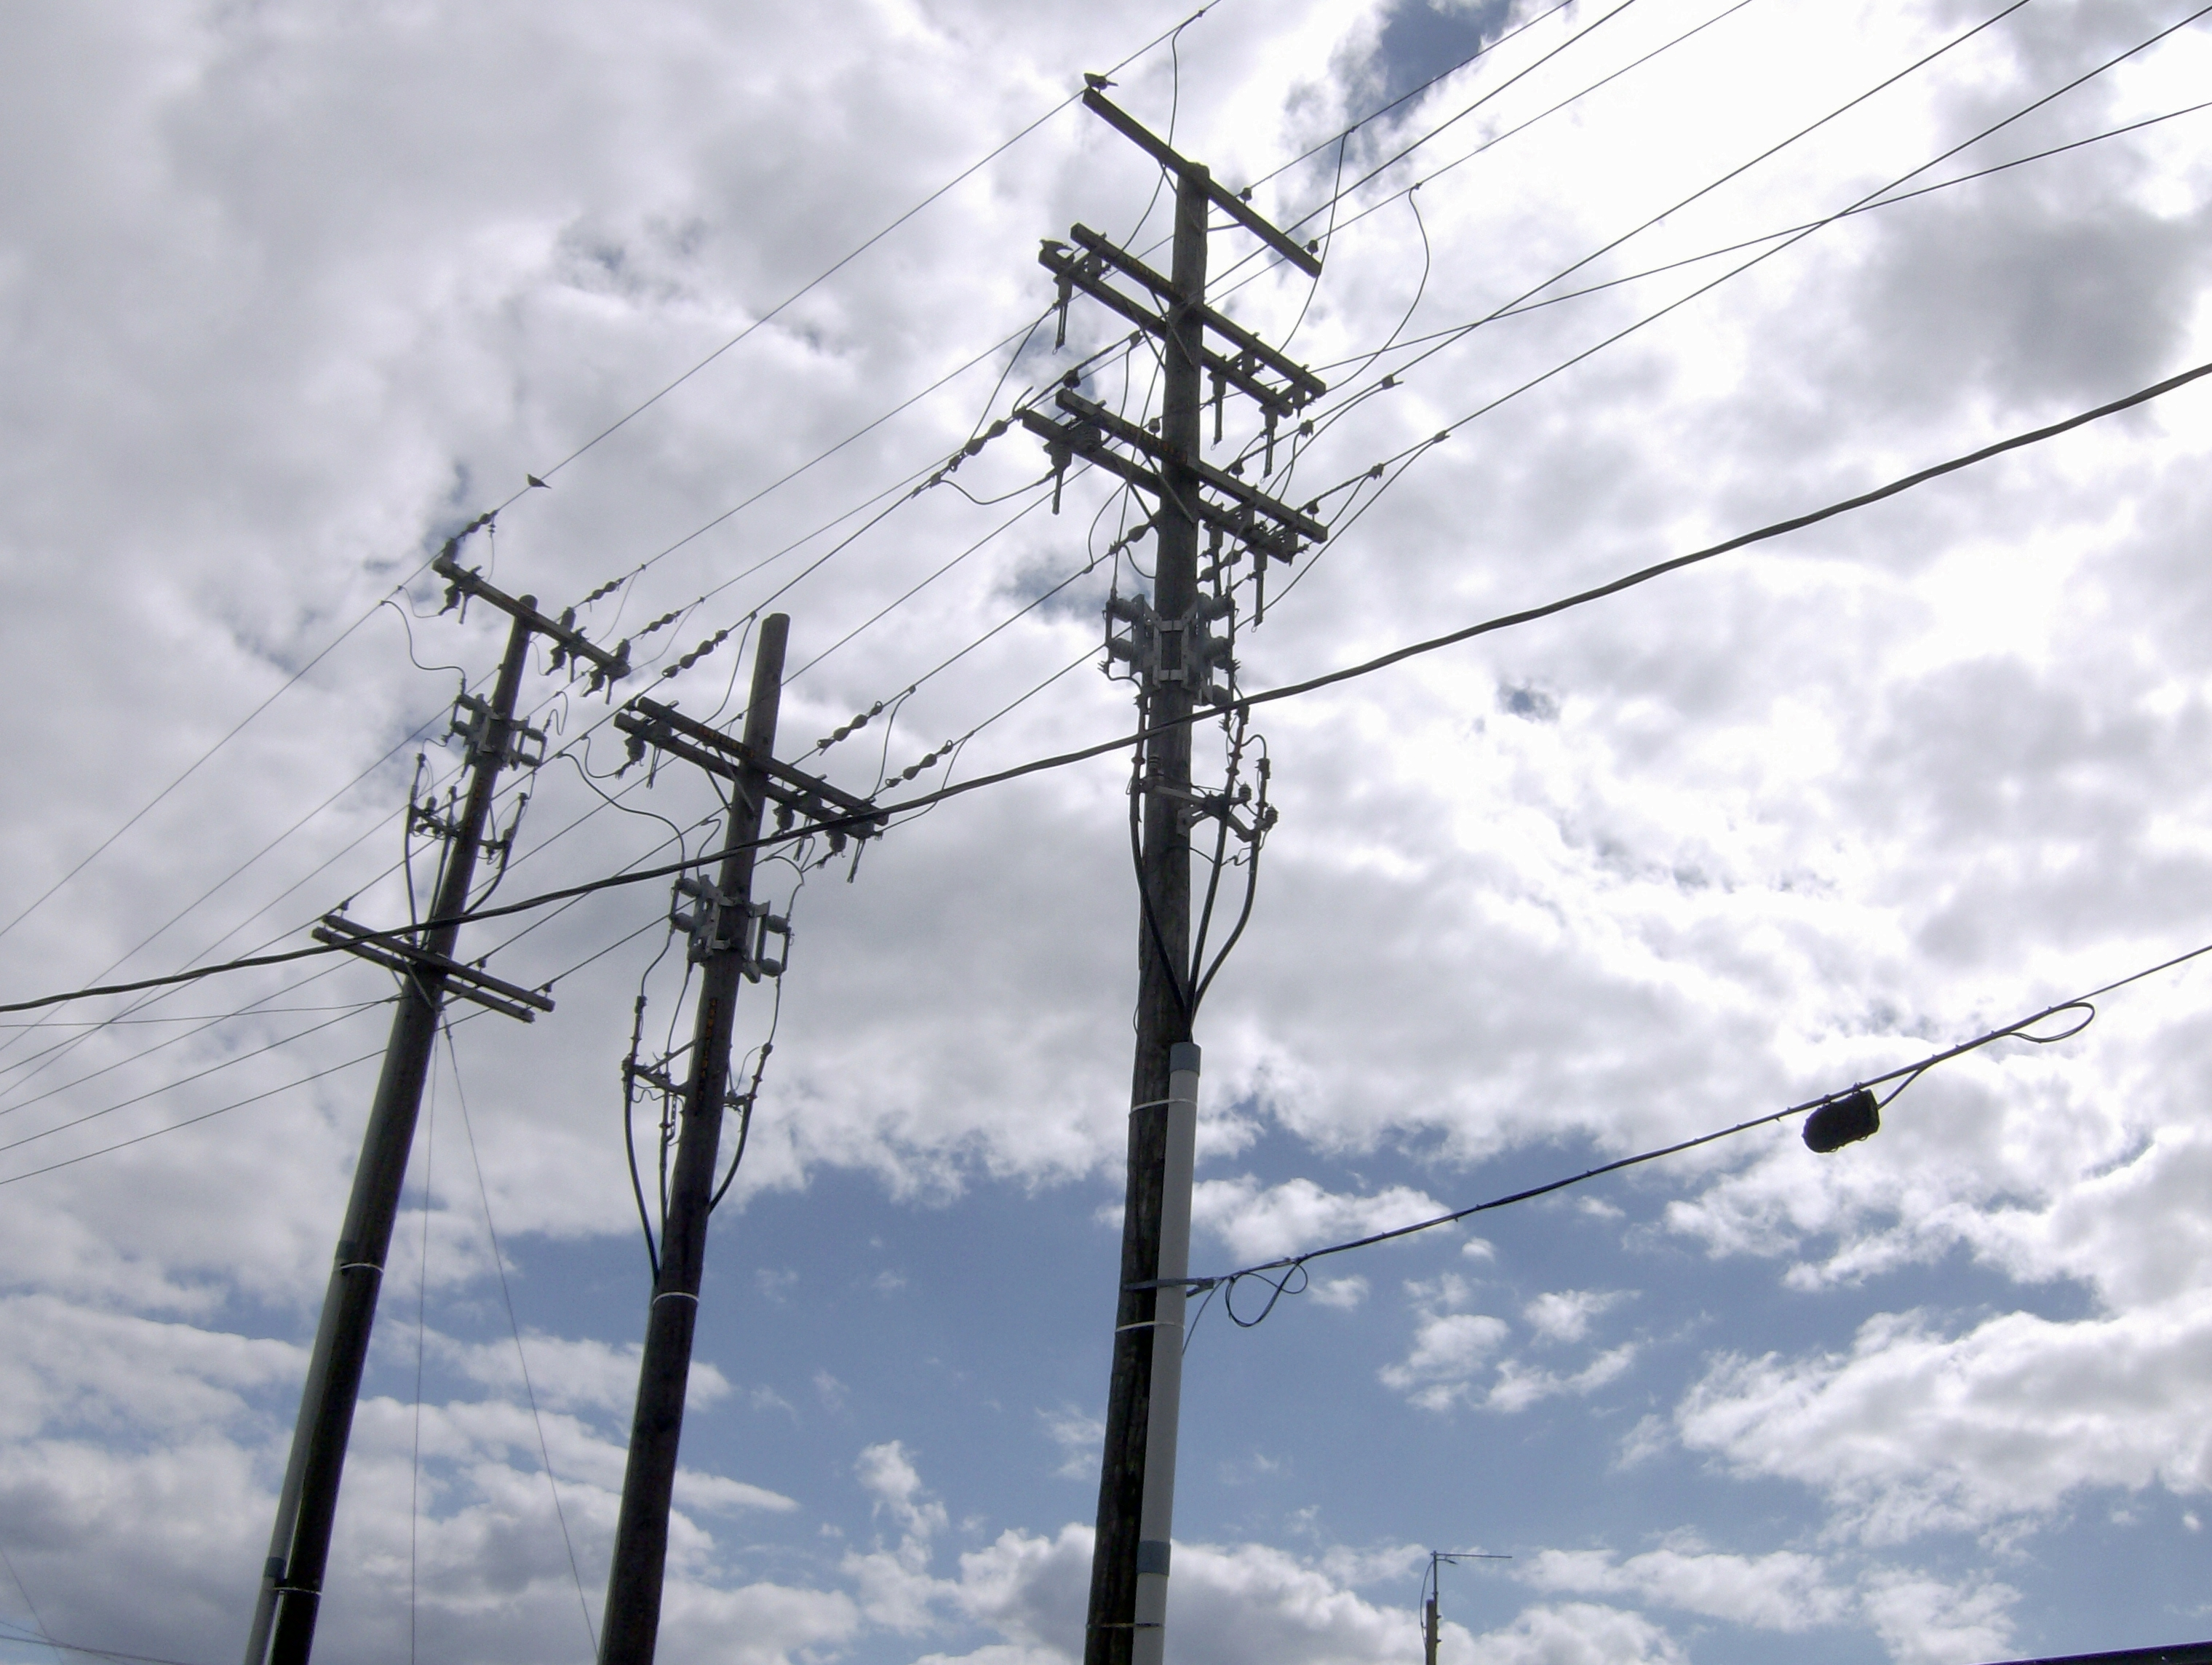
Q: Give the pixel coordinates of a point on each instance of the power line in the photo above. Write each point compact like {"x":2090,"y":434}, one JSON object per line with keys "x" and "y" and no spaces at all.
{"x":330,"y":646}
{"x":1291,"y":690}
{"x":816,"y":282}
{"x":1863,"y":201}
{"x":40,"y":1637}
{"x":1905,"y":1073}
{"x":1519,"y":309}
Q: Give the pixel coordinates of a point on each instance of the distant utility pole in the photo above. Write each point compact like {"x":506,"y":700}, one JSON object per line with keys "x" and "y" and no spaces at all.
{"x":729,"y":934}
{"x":283,"y":1627}
{"x":1173,"y":655}
{"x":1431,"y":1624}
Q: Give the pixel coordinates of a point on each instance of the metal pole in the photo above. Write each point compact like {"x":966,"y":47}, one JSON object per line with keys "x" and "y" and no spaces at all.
{"x":632,"y":1624}
{"x":292,"y":1580}
{"x":1163,"y":962}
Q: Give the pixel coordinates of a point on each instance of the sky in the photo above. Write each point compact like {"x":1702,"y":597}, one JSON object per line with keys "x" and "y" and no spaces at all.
{"x":290,"y":293}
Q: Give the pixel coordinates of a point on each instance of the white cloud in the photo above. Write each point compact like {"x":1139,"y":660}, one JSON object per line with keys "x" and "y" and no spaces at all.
{"x":1927,"y":1622}
{"x":1079,"y":1436}
{"x":1783,"y":1590}
{"x":1577,"y":1633}
{"x":1260,"y":1223}
{"x":1564,"y":1314}
{"x":1916,"y":1431}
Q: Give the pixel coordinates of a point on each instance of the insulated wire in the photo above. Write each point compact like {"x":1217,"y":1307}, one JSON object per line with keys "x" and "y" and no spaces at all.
{"x":330,"y":646}
{"x":1291,"y":690}
{"x":1791,"y":241}
{"x":506,"y":1295}
{"x":1905,"y":1073}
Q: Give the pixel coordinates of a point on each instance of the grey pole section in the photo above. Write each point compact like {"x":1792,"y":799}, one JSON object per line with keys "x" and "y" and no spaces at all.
{"x":1162,"y":956}
{"x":1156,"y":1522}
{"x":1429,"y":1623}
{"x":632,"y":1624}
{"x":292,"y":1581}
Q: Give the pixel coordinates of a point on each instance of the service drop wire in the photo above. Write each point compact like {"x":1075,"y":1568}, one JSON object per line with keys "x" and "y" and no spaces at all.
{"x":1294,"y":1266}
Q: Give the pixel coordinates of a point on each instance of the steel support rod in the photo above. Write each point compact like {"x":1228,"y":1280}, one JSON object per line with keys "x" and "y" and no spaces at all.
{"x":283,"y":1629}
{"x":632,"y":1624}
{"x":1163,"y":957}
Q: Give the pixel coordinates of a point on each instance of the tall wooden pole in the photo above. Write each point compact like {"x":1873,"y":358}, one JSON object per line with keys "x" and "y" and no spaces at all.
{"x":283,"y":1630}
{"x":632,"y":1624}
{"x":1162,"y":963}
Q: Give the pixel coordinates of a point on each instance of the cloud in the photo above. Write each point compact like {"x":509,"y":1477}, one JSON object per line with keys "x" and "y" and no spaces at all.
{"x":1080,"y":1437}
{"x":1448,"y":1349}
{"x":1564,"y":1314}
{"x":1783,"y":1590}
{"x":1916,"y":1431}
{"x":1578,"y":1634}
{"x":1260,"y":1222}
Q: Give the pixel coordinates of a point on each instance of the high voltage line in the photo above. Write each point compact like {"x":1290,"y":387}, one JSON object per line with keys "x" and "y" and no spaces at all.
{"x":1311,"y":685}
{"x":330,"y":646}
{"x":970,"y":363}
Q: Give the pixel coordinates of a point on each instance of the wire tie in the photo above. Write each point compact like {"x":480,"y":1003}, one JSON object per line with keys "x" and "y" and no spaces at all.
{"x":675,"y":1295}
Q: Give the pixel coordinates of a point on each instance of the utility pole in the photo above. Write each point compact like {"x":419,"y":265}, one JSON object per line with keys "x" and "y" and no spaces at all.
{"x":1432,"y":1623}
{"x":729,"y":933}
{"x":1174,"y":657}
{"x":283,"y":1626}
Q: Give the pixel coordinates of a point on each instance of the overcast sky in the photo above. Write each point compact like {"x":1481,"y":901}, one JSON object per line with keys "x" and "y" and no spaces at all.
{"x":290,"y":293}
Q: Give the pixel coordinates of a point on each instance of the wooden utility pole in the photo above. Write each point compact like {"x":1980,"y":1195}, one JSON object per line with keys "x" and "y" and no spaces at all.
{"x":1175,"y":659}
{"x":728,"y":933}
{"x":283,"y":1627}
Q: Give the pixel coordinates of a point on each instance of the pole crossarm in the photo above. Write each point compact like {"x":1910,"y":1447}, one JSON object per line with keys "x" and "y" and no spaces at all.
{"x":1306,"y":259}
{"x":1301,"y":386}
{"x":1296,"y":521}
{"x":1078,"y":438}
{"x":569,"y":643}
{"x":470,"y":982}
{"x":734,"y":760}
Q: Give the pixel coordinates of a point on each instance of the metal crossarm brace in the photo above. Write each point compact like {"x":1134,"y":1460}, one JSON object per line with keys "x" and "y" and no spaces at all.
{"x":395,"y":954}
{"x":725,"y":756}
{"x":1220,"y":195}
{"x":612,"y":667}
{"x":1080,"y":439}
{"x":1116,"y":427}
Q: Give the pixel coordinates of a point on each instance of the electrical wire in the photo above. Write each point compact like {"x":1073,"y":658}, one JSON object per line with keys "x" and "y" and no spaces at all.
{"x":816,"y":282}
{"x":1861,"y":203}
{"x":1121,"y":743}
{"x":38,"y":1637}
{"x":521,"y":1359}
{"x":1905,"y":1075}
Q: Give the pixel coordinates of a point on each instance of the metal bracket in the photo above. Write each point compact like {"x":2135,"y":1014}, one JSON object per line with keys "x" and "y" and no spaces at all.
{"x":1162,"y":650}
{"x":473,"y":721}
